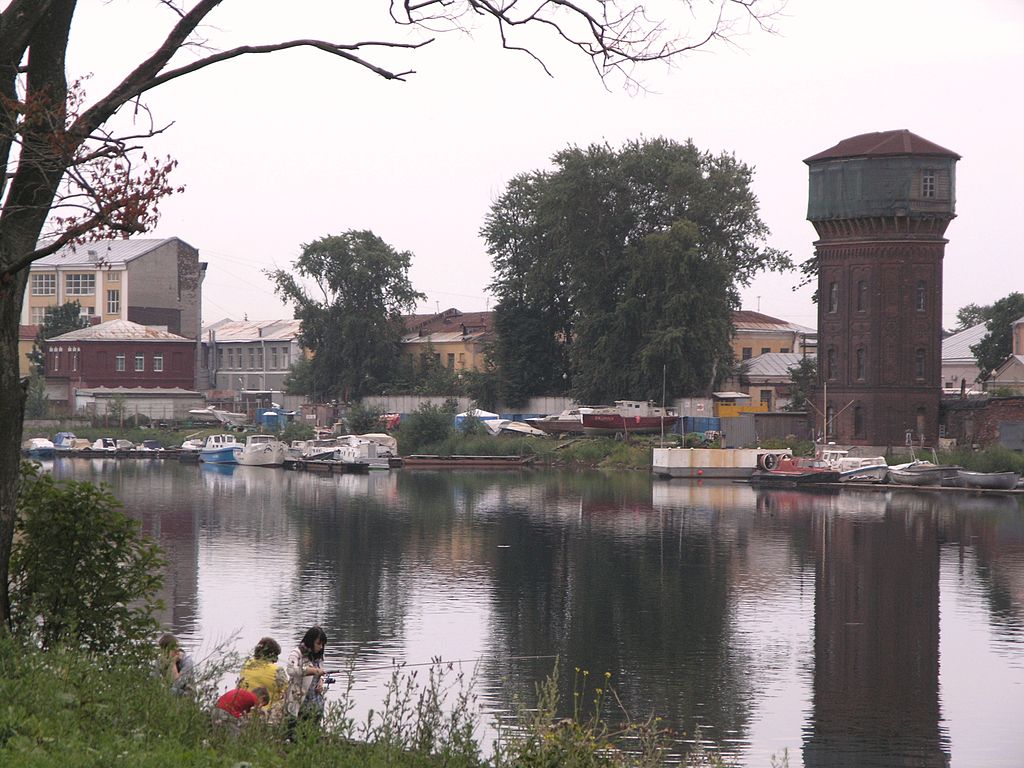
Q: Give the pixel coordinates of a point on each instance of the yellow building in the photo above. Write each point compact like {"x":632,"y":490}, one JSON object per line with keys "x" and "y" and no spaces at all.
{"x":756,"y":334}
{"x":454,"y":340}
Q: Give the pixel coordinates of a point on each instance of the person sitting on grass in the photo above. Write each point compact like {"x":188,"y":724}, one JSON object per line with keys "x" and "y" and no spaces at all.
{"x":174,"y":665}
{"x":234,"y":705}
{"x":263,"y":671}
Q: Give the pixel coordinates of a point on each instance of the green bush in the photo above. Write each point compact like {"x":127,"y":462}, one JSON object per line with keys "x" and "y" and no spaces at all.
{"x":426,"y":425}
{"x":296,"y":430}
{"x":362,"y":419}
{"x":82,"y":573}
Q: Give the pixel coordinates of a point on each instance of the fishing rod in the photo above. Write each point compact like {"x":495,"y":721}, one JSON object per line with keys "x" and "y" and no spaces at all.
{"x":437,"y":662}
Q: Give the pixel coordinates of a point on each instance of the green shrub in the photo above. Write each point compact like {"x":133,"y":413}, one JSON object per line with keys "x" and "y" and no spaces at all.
{"x":82,"y":573}
{"x":296,"y":430}
{"x":362,"y":419}
{"x":427,"y":424}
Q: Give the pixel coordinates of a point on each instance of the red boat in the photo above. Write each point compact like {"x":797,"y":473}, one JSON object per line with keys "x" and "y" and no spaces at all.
{"x":629,"y":417}
{"x":793,"y":470}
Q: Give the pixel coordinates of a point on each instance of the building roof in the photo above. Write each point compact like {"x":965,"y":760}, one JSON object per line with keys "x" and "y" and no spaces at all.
{"x":747,"y":320}
{"x":138,"y":391}
{"x":772,"y":365}
{"x":1012,"y":362}
{"x":883,"y":144}
{"x":450,"y":320}
{"x":119,"y":330}
{"x":106,"y":253}
{"x":958,"y":346}
{"x":228,"y":330}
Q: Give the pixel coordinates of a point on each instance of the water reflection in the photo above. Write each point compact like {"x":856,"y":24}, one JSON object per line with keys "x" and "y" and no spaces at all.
{"x":771,"y":618}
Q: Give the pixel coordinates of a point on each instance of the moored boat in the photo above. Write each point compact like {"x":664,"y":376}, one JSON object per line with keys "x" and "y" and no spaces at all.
{"x":262,"y":451}
{"x":357,"y":450}
{"x":855,"y":469}
{"x":712,"y":463}
{"x":628,"y":417}
{"x":568,"y":422}
{"x":107,"y":444}
{"x":994,"y":481}
{"x":38,"y":448}
{"x":917,"y":473}
{"x":794,"y":470}
{"x":220,"y":449}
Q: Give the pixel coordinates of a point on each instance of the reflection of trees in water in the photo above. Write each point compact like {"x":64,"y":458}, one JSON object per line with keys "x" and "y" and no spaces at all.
{"x":992,"y":529}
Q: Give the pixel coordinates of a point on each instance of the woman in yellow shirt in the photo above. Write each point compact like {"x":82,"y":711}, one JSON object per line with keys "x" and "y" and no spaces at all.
{"x":262,"y":671}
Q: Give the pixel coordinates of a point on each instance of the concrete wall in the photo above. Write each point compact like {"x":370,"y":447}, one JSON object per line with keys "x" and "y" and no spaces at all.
{"x":994,"y":421}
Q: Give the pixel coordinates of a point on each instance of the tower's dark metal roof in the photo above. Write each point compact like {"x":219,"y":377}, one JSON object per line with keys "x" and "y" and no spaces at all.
{"x":883,"y":144}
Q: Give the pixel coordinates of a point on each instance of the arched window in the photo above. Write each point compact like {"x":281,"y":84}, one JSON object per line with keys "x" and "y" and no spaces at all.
{"x":919,"y":363}
{"x":919,"y":296}
{"x":830,"y":370}
{"x":833,"y":297}
{"x":862,"y":296}
{"x":861,"y":365}
{"x":830,"y":421}
{"x":858,"y":421}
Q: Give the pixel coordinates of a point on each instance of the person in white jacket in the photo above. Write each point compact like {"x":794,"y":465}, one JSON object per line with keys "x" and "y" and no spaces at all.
{"x":304,"y":699}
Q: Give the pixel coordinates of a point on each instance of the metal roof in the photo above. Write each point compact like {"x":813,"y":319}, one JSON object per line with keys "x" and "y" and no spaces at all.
{"x":773,"y":364}
{"x":119,"y":330}
{"x":882,"y":144}
{"x":228,"y":330}
{"x":137,"y":391}
{"x":958,"y":346}
{"x":102,"y":252}
{"x":748,"y":320}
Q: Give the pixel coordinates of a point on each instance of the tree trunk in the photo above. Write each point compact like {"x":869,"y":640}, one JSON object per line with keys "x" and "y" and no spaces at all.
{"x":12,"y":411}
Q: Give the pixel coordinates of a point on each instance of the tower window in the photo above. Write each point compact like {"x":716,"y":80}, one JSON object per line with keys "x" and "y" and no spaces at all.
{"x":928,"y":184}
{"x":831,"y":369}
{"x":830,"y":421}
{"x":833,"y":297}
{"x":919,"y":363}
{"x":860,"y":364}
{"x":862,"y":296}
{"x":919,"y":296}
{"x":858,"y":421}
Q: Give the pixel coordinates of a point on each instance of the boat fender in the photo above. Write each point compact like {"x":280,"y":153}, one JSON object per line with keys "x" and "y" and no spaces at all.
{"x":768,"y":461}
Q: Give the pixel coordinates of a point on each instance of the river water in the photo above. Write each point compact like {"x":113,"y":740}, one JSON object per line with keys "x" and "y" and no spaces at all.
{"x":859,"y":628}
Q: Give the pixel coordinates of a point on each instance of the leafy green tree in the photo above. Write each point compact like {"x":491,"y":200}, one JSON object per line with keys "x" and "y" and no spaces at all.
{"x":355,"y":329}
{"x":299,"y":379}
{"x":82,"y":573}
{"x":804,"y":378}
{"x":997,"y":345}
{"x":621,"y":267}
{"x":362,"y":419}
{"x":971,"y":315}
{"x":57,"y":321}
{"x":37,"y":402}
{"x":427,"y":424}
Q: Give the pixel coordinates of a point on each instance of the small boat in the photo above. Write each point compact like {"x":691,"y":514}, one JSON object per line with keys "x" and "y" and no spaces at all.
{"x":568,"y":422}
{"x":320,"y":448}
{"x":107,"y":444}
{"x":220,"y":449}
{"x":262,"y":451}
{"x":150,"y":445}
{"x":629,"y":417}
{"x":713,"y":463}
{"x":794,"y":470}
{"x":995,"y":481}
{"x":855,"y":469}
{"x":357,"y":449}
{"x":38,"y":448}
{"x":65,"y":442}
{"x":917,"y":473}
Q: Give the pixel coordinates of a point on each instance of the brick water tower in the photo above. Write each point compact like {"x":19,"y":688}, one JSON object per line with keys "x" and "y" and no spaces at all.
{"x":880,"y":204}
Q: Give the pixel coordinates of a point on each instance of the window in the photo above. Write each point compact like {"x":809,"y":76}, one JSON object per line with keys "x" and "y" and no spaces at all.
{"x":259,"y":358}
{"x":273,"y":357}
{"x":140,"y":362}
{"x":80,"y":284}
{"x":831,"y":363}
{"x":765,"y":350}
{"x":44,"y":285}
{"x":830,"y":421}
{"x":231,"y":358}
{"x":858,"y":421}
{"x":451,"y":361}
{"x":56,"y":362}
{"x":862,"y":296}
{"x":87,"y":311}
{"x":38,"y":315}
{"x":748,"y":352}
{"x":113,"y":277}
{"x":119,"y":362}
{"x":220,"y":358}
{"x":462,"y":360}
{"x":114,"y":302}
{"x":919,"y":296}
{"x":158,"y":363}
{"x":833,"y":297}
{"x":252,"y":359}
{"x":860,"y":364}
{"x":74,"y":361}
{"x":766,"y":398}
{"x":919,"y":363}
{"x":784,"y":350}
{"x":928,"y":183}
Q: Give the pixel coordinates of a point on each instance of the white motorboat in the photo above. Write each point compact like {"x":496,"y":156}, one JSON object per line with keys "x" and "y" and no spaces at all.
{"x":262,"y":451}
{"x":855,"y":469}
{"x":220,"y":449}
{"x":104,"y":444}
{"x":38,"y":448}
{"x":355,"y":449}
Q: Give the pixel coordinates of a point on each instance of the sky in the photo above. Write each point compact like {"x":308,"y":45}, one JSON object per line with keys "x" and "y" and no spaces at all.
{"x":279,"y":150}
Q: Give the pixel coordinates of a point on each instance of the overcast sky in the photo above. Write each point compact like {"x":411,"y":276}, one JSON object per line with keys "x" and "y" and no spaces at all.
{"x":279,"y":150}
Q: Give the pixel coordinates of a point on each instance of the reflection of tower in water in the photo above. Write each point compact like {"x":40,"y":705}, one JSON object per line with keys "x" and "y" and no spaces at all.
{"x":876,"y":640}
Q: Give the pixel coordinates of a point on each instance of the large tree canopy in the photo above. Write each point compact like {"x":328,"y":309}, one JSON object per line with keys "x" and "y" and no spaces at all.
{"x":997,"y":345}
{"x":353,"y":325}
{"x":67,"y":175}
{"x":620,"y":268}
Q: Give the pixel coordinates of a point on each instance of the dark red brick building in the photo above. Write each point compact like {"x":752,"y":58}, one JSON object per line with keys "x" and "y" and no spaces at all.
{"x":880,"y":204}
{"x":118,"y":353}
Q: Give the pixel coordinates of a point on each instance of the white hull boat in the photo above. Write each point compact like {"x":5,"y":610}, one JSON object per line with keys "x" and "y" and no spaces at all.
{"x":262,"y":451}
